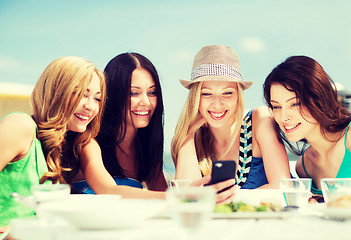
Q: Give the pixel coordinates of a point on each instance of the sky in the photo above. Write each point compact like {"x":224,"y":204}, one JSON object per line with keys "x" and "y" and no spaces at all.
{"x":170,"y":33}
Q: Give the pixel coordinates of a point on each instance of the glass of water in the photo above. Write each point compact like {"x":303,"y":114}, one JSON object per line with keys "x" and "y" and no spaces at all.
{"x":191,"y":207}
{"x":296,"y":191}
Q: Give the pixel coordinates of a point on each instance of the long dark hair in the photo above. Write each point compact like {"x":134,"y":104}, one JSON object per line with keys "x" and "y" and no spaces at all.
{"x":148,"y":140}
{"x":315,"y":90}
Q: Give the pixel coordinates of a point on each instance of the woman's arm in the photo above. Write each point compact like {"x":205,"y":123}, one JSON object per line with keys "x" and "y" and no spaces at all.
{"x":101,"y":181}
{"x":187,"y":166}
{"x":348,"y":139}
{"x":16,"y":135}
{"x":275,"y":158}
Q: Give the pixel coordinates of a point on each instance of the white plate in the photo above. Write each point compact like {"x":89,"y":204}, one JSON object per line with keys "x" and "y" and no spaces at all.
{"x":336,"y":212}
{"x":253,"y":215}
{"x":240,"y":215}
{"x":253,"y":197}
{"x":101,"y":211}
{"x":256,"y":196}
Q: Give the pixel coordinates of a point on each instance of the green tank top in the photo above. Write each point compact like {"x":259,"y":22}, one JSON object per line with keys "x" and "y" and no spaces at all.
{"x":18,"y":177}
{"x":344,"y":170}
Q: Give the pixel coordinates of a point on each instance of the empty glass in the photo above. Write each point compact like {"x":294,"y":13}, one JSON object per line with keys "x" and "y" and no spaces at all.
{"x":296,"y":191}
{"x":336,"y":190}
{"x":179,"y":183}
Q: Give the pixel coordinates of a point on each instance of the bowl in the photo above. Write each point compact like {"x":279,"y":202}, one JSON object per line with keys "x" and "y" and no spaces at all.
{"x":337,"y":192}
{"x":96,"y":212}
{"x":29,"y":228}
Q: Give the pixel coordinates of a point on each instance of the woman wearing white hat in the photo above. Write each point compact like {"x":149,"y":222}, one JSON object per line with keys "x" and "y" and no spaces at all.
{"x":211,"y":127}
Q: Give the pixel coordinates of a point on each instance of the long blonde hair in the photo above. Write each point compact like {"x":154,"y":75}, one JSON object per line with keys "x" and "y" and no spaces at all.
{"x":204,"y":137}
{"x":54,"y":99}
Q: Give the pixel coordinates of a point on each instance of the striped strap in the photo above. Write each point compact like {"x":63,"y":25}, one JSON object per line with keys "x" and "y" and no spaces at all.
{"x":245,"y":152}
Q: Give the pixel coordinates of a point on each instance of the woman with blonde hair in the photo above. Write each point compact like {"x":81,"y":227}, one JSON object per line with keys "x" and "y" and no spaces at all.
{"x":67,"y":102}
{"x":211,"y":128}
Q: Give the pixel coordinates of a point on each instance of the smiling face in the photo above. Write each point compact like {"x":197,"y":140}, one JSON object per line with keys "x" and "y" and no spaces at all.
{"x":87,"y":108}
{"x":143,"y":98}
{"x":218,"y":103}
{"x":293,"y":118}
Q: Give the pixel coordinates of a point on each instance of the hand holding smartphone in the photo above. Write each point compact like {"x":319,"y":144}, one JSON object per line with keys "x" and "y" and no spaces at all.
{"x":222,"y":170}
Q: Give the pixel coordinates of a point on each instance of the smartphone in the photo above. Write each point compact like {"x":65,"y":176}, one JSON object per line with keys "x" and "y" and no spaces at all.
{"x":222,"y":170}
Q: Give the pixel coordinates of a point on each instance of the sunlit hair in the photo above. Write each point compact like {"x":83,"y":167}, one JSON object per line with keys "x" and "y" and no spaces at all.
{"x":314,"y":90}
{"x":203,"y":138}
{"x":148,"y":141}
{"x":55,"y":97}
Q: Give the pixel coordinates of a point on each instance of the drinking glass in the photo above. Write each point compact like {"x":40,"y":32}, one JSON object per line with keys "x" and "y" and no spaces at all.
{"x":180,"y":183}
{"x":296,"y":191}
{"x":336,"y":189}
{"x":191,"y":207}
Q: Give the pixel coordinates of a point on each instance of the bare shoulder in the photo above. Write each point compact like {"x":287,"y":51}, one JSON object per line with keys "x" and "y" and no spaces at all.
{"x":90,"y":151}
{"x":261,"y":112}
{"x":17,"y":131}
{"x":18,"y":118}
{"x":262,"y":118}
{"x":20,"y":125}
{"x":263,"y":128}
{"x":91,"y":145}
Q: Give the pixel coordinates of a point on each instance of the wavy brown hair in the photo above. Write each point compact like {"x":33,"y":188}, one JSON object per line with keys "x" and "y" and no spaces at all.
{"x":315,"y":90}
{"x":54,"y":99}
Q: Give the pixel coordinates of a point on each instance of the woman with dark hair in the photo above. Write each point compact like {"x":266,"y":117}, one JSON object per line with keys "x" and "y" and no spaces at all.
{"x":131,"y":136}
{"x":304,"y":102}
{"x":130,"y":141}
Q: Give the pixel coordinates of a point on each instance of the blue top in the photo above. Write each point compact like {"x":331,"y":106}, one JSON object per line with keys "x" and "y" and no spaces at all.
{"x":344,"y":170}
{"x":83,"y":186}
{"x":257,"y":175}
{"x":250,"y":173}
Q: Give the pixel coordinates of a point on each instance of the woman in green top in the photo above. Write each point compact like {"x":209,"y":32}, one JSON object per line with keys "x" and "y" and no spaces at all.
{"x":67,"y":102}
{"x":306,"y":109}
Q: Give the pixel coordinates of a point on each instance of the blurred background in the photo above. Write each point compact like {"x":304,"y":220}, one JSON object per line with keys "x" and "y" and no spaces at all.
{"x":170,"y":33}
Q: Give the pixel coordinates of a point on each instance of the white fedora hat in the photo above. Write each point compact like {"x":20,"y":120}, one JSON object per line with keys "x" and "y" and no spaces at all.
{"x":216,"y":63}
